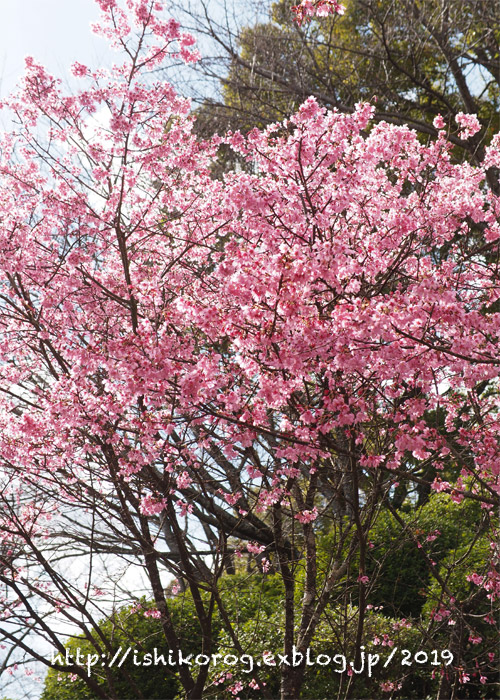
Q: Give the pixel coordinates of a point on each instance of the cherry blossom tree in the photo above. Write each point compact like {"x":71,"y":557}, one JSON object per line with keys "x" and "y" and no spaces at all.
{"x":194,"y":367}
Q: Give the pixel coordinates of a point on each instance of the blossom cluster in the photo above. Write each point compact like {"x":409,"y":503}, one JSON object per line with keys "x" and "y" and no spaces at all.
{"x":307,"y":9}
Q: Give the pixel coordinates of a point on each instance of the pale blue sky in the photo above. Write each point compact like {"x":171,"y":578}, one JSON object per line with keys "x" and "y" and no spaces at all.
{"x":55,"y":32}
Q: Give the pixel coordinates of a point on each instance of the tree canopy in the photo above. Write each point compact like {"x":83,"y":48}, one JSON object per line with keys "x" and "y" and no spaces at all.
{"x":292,"y":367}
{"x":413,"y":59}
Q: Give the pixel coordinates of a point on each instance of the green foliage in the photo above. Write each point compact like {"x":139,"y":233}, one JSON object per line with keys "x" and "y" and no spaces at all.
{"x":401,"y":567}
{"x":471,"y":635}
{"x":416,"y":60}
{"x":250,"y":597}
{"x":126,"y":628}
{"x":401,"y":601}
{"x":250,"y":602}
{"x":335,"y":640}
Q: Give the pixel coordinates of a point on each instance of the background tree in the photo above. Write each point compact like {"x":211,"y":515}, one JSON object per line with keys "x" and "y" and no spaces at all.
{"x":415,"y":59}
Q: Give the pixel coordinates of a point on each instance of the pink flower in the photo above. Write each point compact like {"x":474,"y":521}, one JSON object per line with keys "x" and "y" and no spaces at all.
{"x":232,"y":498}
{"x":439,"y":122}
{"x":371,"y":461}
{"x":441,"y":614}
{"x":307,"y":516}
{"x":236,"y":688}
{"x":184,"y":507}
{"x":431,"y":537}
{"x":438,"y":485}
{"x":106,"y":5}
{"x":79,"y":70}
{"x":389,"y":686}
{"x":470,"y":124}
{"x":321,"y":8}
{"x":183,"y":480}
{"x":255,"y":548}
{"x":151,"y":506}
{"x":463,"y":677}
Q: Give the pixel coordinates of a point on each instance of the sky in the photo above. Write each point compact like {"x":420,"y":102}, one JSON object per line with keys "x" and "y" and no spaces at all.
{"x":55,"y":32}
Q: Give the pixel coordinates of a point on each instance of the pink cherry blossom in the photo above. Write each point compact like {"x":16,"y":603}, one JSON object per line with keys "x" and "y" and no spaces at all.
{"x":255,"y":548}
{"x":469,"y":123}
{"x":307,"y":9}
{"x":307,"y":516}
